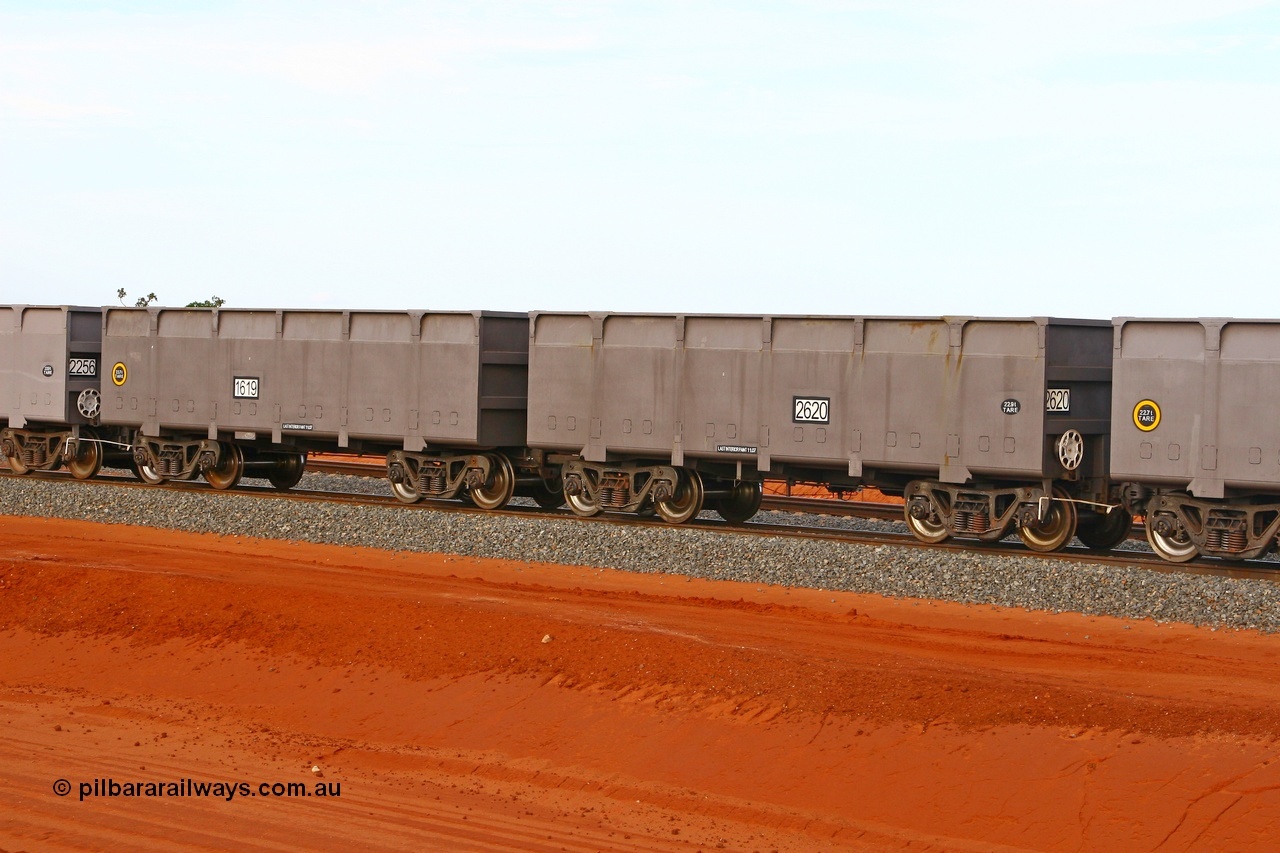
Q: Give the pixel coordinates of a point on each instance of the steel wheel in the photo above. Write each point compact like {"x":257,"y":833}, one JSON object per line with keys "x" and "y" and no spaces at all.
{"x":742,"y":503}
{"x":1104,"y":531}
{"x":229,"y":470}
{"x":1056,"y":530}
{"x":687,"y":501}
{"x":148,"y":475}
{"x":501,"y":485}
{"x":930,"y":532}
{"x":405,"y":492}
{"x":286,"y":472}
{"x":549,"y":494}
{"x":16,"y":465}
{"x":87,"y":460}
{"x":1169,"y":547}
{"x":582,"y":505}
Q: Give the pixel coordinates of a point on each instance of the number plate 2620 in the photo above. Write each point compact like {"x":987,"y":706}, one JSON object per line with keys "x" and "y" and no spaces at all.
{"x":811,"y":410}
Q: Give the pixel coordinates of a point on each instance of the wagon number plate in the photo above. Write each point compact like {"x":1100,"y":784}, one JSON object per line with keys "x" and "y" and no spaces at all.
{"x":1057,"y":400}
{"x":245,"y":388}
{"x":82,"y":367}
{"x":811,"y":410}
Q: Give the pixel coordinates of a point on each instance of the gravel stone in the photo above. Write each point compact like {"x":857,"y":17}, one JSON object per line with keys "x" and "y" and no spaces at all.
{"x":1029,"y":582}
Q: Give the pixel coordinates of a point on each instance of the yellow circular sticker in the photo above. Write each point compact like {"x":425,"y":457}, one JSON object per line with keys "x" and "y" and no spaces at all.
{"x":119,"y":374}
{"x":1146,"y":415}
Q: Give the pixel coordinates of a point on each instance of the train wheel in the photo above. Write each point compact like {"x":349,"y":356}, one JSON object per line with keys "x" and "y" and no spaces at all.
{"x":742,"y":503}
{"x":87,"y":461}
{"x":405,"y":492}
{"x":229,"y":470}
{"x":549,"y":494}
{"x":1171,"y":548}
{"x":925,"y":529}
{"x":16,"y":465}
{"x":582,"y":505}
{"x":1055,"y":531}
{"x":687,"y":501}
{"x":501,"y":486}
{"x":1104,"y":531}
{"x":286,"y":472}
{"x":146,"y":473}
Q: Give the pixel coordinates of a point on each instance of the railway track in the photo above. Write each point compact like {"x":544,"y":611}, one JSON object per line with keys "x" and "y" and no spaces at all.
{"x":838,"y":507}
{"x":778,"y":503}
{"x":1253,"y":569}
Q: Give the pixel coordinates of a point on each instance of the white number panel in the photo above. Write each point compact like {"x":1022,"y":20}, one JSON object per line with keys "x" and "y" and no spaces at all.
{"x":82,"y":367}
{"x":245,"y":388}
{"x":1057,"y":400}
{"x":811,"y":410}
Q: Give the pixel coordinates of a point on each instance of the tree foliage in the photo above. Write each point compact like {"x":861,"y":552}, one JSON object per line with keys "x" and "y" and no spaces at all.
{"x":144,"y":301}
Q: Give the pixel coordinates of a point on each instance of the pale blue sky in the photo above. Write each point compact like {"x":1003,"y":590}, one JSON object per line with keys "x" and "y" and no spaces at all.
{"x":1076,"y":159}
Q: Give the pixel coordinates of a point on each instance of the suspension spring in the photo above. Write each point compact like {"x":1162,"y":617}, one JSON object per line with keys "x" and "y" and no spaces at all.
{"x":170,"y":464}
{"x":431,"y":481}
{"x":614,"y":497}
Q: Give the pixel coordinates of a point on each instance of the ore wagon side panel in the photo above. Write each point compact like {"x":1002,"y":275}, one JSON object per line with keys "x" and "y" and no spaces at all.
{"x":720,"y":390}
{"x":562,"y":373}
{"x":907,"y":395}
{"x":184,"y":364}
{"x":42,"y":348}
{"x":1001,"y":397}
{"x":814,"y":406}
{"x":379,"y":389}
{"x":1248,"y":409}
{"x":8,"y":367}
{"x":635,"y":390}
{"x":249,"y":362}
{"x":126,"y":348}
{"x":311,"y":366}
{"x":1160,"y":428}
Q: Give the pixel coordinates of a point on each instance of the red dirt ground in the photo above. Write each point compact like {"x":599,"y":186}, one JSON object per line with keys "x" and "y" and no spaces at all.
{"x":468,"y":704}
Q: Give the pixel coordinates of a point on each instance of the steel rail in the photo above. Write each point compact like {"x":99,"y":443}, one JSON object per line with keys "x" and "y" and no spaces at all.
{"x":838,"y":507}
{"x":1254,"y":569}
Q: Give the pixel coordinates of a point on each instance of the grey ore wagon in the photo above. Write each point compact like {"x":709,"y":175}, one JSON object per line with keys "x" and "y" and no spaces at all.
{"x":983,"y":425}
{"x":1196,"y":433}
{"x":223,"y":391}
